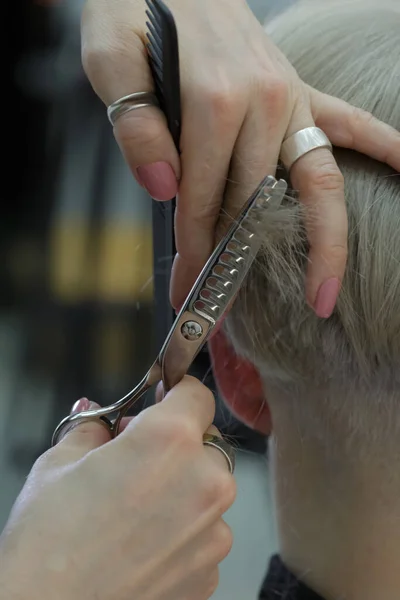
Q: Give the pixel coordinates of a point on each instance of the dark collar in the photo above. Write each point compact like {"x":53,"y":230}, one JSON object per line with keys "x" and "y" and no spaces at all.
{"x":281,"y":584}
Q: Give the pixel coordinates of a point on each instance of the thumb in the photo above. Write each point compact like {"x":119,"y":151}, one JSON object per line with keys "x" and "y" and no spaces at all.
{"x":84,"y":436}
{"x":117,"y":65}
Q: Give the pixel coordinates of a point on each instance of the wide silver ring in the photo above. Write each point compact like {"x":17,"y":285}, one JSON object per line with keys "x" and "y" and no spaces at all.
{"x":132,"y":102}
{"x":301,"y":143}
{"x":223,"y":446}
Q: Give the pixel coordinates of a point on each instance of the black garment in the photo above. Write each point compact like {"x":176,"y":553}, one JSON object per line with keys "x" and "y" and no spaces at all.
{"x":281,"y":584}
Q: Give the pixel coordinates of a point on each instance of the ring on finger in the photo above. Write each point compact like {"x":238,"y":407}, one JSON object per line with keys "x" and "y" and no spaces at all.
{"x":301,"y":143}
{"x":220,"y":444}
{"x":131,"y":102}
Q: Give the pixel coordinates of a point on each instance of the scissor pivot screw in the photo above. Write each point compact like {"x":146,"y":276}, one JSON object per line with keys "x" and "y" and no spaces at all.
{"x":191,"y":331}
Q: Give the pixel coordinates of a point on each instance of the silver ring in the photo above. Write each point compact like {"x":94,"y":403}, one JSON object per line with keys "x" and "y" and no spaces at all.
{"x":132,"y":102}
{"x":220,"y":444}
{"x":301,"y":143}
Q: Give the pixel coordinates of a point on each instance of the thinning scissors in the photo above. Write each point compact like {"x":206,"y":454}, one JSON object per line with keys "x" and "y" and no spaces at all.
{"x":205,"y":307}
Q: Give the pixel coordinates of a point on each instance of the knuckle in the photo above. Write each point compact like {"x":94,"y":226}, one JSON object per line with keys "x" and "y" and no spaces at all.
{"x":185,"y":432}
{"x":117,"y":47}
{"x":337,"y":253}
{"x":173,"y":430}
{"x":221,"y":100}
{"x":223,"y":540}
{"x":96,"y":56}
{"x":226,"y":490}
{"x":142,"y":126}
{"x":220,"y":490}
{"x":327,"y":176}
{"x":150,"y":421}
{"x":203,"y":393}
{"x":112,"y":57}
{"x":224,"y":100}
{"x":275,"y":92}
{"x":199,"y":393}
{"x":360,"y":118}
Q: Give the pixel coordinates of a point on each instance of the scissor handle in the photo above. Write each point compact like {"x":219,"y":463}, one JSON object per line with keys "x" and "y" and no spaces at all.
{"x":77,"y":419}
{"x":119,"y":408}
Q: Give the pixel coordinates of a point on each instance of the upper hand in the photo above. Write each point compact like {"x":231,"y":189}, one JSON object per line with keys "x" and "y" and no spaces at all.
{"x":240,"y":99}
{"x":136,"y":517}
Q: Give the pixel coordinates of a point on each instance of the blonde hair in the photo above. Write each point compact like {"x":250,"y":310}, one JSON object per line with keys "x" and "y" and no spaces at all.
{"x":350,"y":363}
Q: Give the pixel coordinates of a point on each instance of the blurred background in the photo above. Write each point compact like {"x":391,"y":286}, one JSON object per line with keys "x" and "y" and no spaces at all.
{"x":76,"y":272}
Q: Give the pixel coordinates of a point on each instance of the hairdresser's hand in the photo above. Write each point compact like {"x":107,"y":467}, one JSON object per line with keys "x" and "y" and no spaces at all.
{"x":241,"y":98}
{"x":137,"y":517}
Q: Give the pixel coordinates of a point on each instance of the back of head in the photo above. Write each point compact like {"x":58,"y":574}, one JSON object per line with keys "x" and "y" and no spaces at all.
{"x":350,"y":49}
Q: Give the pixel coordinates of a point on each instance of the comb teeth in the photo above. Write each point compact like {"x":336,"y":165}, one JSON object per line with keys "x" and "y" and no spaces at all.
{"x":163,"y":54}
{"x":233,"y":262}
{"x":155,"y":46}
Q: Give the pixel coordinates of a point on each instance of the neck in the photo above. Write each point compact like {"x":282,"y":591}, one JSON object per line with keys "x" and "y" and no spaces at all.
{"x":338,"y":516}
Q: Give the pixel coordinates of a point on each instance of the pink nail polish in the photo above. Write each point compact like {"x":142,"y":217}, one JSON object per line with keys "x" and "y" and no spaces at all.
{"x":326,"y":298}
{"x":80,"y":405}
{"x":159,"y":180}
{"x":178,"y":308}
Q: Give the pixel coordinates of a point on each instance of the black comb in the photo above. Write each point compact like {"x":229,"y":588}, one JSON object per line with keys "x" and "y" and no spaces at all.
{"x":163,"y":52}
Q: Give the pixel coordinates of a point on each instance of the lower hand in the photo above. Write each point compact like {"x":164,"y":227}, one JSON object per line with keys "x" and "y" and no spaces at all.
{"x":136,"y":517}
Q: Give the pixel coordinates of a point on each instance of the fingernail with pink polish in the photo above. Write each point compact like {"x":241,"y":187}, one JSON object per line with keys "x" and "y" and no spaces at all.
{"x":80,"y":405}
{"x":159,"y":180}
{"x":326,"y":298}
{"x":178,"y":308}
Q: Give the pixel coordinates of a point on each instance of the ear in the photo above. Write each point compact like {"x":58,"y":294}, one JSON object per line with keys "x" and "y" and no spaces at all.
{"x":239,"y":384}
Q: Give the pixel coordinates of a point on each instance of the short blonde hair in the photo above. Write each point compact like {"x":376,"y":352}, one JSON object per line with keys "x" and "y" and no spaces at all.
{"x":349,"y":49}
